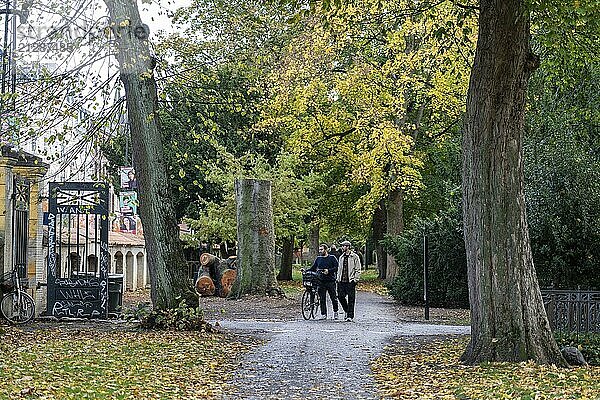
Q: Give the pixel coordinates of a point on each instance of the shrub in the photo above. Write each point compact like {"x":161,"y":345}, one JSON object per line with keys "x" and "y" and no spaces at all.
{"x":587,"y":343}
{"x":182,"y":318}
{"x":562,"y":176}
{"x":447,"y":262}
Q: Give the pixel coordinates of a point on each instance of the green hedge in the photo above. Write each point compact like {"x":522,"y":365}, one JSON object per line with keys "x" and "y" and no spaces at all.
{"x":447,"y":262}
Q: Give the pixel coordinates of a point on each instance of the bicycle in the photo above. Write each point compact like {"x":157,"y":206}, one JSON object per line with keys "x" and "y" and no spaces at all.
{"x":310,"y":297}
{"x":17,"y":306}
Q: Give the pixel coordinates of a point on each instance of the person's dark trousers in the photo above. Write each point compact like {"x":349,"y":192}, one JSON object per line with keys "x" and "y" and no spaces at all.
{"x":327,"y":287}
{"x":347,"y":289}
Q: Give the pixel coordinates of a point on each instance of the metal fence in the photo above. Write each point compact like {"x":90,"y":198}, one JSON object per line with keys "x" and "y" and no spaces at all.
{"x":20,"y":233}
{"x":573,"y":310}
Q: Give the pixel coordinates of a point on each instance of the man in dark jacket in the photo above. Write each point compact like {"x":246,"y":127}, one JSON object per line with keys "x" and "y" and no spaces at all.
{"x":326,"y":266}
{"x":335,"y":252}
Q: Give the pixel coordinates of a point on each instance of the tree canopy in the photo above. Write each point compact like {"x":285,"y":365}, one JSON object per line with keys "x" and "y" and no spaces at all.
{"x":354,"y":110}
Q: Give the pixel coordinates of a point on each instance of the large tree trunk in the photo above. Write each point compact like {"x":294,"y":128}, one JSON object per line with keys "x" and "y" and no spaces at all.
{"x":368,"y":252}
{"x":166,"y":263}
{"x":313,"y":241}
{"x":379,"y":228}
{"x":508,"y":320}
{"x":287,"y":259}
{"x":256,"y":239}
{"x":395,"y":226}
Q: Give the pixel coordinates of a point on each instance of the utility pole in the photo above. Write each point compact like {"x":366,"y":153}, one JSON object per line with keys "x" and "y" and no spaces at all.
{"x":8,"y":81}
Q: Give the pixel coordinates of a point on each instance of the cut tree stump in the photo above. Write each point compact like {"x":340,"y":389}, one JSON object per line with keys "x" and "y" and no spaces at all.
{"x":227,"y":280}
{"x":216,"y":276}
{"x":205,"y":286}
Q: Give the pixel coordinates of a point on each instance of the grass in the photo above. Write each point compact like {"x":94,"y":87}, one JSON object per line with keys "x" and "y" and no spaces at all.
{"x":370,"y":282}
{"x":50,"y":363}
{"x":293,"y":288}
{"x":431,"y":370}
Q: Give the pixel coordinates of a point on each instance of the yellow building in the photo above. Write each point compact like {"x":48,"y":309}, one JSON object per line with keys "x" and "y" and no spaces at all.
{"x":21,"y":215}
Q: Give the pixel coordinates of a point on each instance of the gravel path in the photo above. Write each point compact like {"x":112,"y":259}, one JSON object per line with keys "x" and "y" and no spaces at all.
{"x":321,"y":359}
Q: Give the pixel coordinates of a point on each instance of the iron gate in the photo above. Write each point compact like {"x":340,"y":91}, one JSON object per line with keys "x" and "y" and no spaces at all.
{"x":20,"y":224}
{"x":78,"y":250}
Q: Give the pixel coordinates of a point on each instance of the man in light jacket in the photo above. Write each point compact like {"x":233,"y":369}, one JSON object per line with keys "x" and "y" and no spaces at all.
{"x":347,"y":278}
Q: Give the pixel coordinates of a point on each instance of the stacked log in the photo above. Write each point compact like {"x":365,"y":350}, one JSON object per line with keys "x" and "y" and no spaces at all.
{"x":216,"y":276}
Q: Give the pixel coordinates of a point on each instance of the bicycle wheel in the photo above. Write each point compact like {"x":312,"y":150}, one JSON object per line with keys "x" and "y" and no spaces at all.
{"x":307,"y":309}
{"x":315,"y":304}
{"x":15,"y":311}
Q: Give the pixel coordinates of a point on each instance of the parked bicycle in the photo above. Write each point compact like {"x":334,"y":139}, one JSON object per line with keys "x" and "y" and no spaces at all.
{"x":310,"y":297}
{"x":17,"y":306}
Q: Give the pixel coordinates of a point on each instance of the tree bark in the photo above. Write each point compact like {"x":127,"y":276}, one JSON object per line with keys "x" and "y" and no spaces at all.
{"x":368,"y":253}
{"x":166,"y":264}
{"x":313,"y":242}
{"x":379,"y":228}
{"x":508,"y":320}
{"x":256,"y":239}
{"x":395,"y":226}
{"x":287,"y":259}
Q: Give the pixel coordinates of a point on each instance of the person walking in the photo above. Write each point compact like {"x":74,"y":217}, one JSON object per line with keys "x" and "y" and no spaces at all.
{"x":326,"y":266}
{"x":335,"y":252}
{"x":347,"y":278}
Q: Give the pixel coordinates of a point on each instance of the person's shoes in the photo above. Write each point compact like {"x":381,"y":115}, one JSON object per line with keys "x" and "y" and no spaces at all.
{"x":336,"y":315}
{"x":348,"y":319}
{"x":322,"y":317}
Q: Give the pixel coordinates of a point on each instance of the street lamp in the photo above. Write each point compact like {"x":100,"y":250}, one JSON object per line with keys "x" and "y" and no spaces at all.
{"x":426,"y":274}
